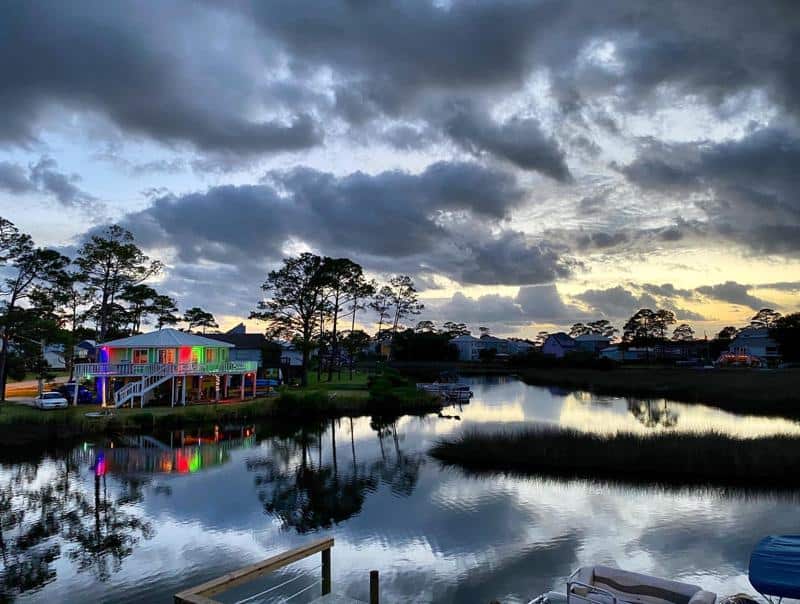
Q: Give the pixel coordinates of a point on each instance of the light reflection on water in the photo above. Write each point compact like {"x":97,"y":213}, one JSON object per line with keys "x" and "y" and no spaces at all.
{"x":147,"y":528}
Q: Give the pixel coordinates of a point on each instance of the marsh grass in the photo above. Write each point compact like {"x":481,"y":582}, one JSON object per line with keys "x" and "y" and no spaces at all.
{"x":710,"y":459}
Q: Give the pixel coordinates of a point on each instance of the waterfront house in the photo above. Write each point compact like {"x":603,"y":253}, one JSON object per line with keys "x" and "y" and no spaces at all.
{"x":468,"y":347}
{"x":592,"y":343}
{"x":558,"y":345}
{"x":757,"y":343}
{"x":177,"y":365}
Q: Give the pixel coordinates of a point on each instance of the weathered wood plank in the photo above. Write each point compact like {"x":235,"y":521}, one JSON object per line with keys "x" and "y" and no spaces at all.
{"x":200,"y":594}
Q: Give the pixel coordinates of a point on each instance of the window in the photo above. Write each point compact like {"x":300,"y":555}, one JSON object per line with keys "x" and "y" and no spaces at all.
{"x":166,"y":356}
{"x":140,"y":356}
{"x":195,"y":355}
{"x":210,"y":355}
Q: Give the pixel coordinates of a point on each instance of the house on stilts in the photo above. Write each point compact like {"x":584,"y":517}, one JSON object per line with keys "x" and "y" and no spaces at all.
{"x":167,"y":364}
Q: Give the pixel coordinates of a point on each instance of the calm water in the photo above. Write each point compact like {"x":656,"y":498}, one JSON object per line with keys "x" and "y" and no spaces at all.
{"x":144,"y":518}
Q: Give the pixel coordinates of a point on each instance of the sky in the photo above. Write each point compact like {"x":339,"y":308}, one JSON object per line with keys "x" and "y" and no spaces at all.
{"x":530,"y":164}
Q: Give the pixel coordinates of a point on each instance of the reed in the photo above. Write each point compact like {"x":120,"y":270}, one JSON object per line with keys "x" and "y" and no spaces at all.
{"x":711,"y":458}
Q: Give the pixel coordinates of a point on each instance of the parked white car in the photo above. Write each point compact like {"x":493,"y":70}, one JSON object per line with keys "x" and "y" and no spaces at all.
{"x":51,"y":400}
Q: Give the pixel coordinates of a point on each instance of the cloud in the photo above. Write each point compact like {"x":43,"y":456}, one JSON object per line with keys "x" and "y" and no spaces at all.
{"x":752,"y":181}
{"x":124,"y":65}
{"x":734,"y":293}
{"x":43,"y":177}
{"x":446,"y":220}
{"x":620,"y":303}
{"x":533,"y":303}
{"x":543,"y":303}
{"x":519,"y":140}
{"x":14,"y":179}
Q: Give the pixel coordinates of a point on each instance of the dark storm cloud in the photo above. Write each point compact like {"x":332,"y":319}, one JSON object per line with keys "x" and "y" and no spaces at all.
{"x":44,"y":177}
{"x":734,"y":293}
{"x":753,"y":182}
{"x":122,"y":62}
{"x":519,"y":140}
{"x":444,"y":220}
{"x":15,"y":179}
{"x":787,"y":286}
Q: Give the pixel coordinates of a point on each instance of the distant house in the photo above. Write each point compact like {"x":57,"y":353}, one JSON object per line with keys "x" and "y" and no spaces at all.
{"x":592,"y":343}
{"x":559,"y":345}
{"x":621,"y":355}
{"x":246,"y":346}
{"x":85,"y":349}
{"x":54,"y":355}
{"x":755,"y":342}
{"x":468,"y":347}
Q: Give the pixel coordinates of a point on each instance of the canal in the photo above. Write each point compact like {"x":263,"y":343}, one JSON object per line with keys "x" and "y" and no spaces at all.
{"x":138,"y":519}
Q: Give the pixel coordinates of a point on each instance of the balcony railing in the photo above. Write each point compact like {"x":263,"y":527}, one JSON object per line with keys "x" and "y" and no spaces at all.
{"x":86,"y":370}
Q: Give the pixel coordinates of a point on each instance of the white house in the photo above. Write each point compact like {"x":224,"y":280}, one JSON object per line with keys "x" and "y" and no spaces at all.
{"x":558,"y":345}
{"x":592,"y":342}
{"x":755,"y":342}
{"x":468,"y":347}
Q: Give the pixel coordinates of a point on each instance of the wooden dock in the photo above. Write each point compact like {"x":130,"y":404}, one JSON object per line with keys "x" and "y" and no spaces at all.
{"x":202,"y":594}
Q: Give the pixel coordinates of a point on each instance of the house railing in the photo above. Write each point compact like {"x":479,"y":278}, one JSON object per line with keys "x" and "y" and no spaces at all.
{"x":88,"y":370}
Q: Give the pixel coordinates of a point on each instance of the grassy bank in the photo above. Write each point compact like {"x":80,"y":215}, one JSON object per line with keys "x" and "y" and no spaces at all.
{"x":710,"y":459}
{"x":772,"y":392}
{"x":386,"y":394}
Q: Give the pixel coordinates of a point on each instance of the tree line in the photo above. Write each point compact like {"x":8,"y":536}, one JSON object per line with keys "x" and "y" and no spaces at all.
{"x":99,"y":294}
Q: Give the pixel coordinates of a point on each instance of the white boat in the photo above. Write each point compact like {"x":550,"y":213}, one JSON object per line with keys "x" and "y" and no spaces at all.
{"x":443,"y":387}
{"x":606,"y":585}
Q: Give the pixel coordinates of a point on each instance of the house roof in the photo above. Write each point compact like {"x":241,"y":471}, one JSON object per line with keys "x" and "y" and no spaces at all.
{"x":562,"y":338}
{"x":251,"y":341}
{"x":593,"y":337}
{"x":165,"y":338}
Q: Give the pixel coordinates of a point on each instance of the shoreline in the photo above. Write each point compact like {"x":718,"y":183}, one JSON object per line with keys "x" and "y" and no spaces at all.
{"x":774,"y":392}
{"x":389,"y":395}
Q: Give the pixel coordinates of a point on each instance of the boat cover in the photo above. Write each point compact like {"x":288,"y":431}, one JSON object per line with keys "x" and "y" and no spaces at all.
{"x":775,"y":566}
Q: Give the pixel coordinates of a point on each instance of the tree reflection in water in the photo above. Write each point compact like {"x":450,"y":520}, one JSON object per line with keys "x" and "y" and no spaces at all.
{"x":652,"y":413}
{"x":308,"y":496}
{"x":37,"y":520}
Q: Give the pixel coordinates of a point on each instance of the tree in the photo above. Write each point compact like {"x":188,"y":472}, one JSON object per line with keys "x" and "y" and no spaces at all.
{"x":404,"y":299}
{"x":454,"y":330}
{"x":110,"y":263}
{"x":639,"y":327}
{"x":197,"y":317}
{"x":662,"y":319}
{"x":343,"y":279}
{"x":484,"y":331}
{"x":354,"y":342}
{"x":425,"y":327}
{"x":164,"y":308}
{"x":579,"y":329}
{"x":29,"y":269}
{"x":294,"y":299}
{"x":140,"y":299}
{"x":727,"y":333}
{"x":381,"y":303}
{"x":602,"y":327}
{"x":786,"y":332}
{"x":683,"y":333}
{"x":359,"y":290}
{"x":541,"y":337}
{"x":766,"y":317}
{"x":72,"y":300}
